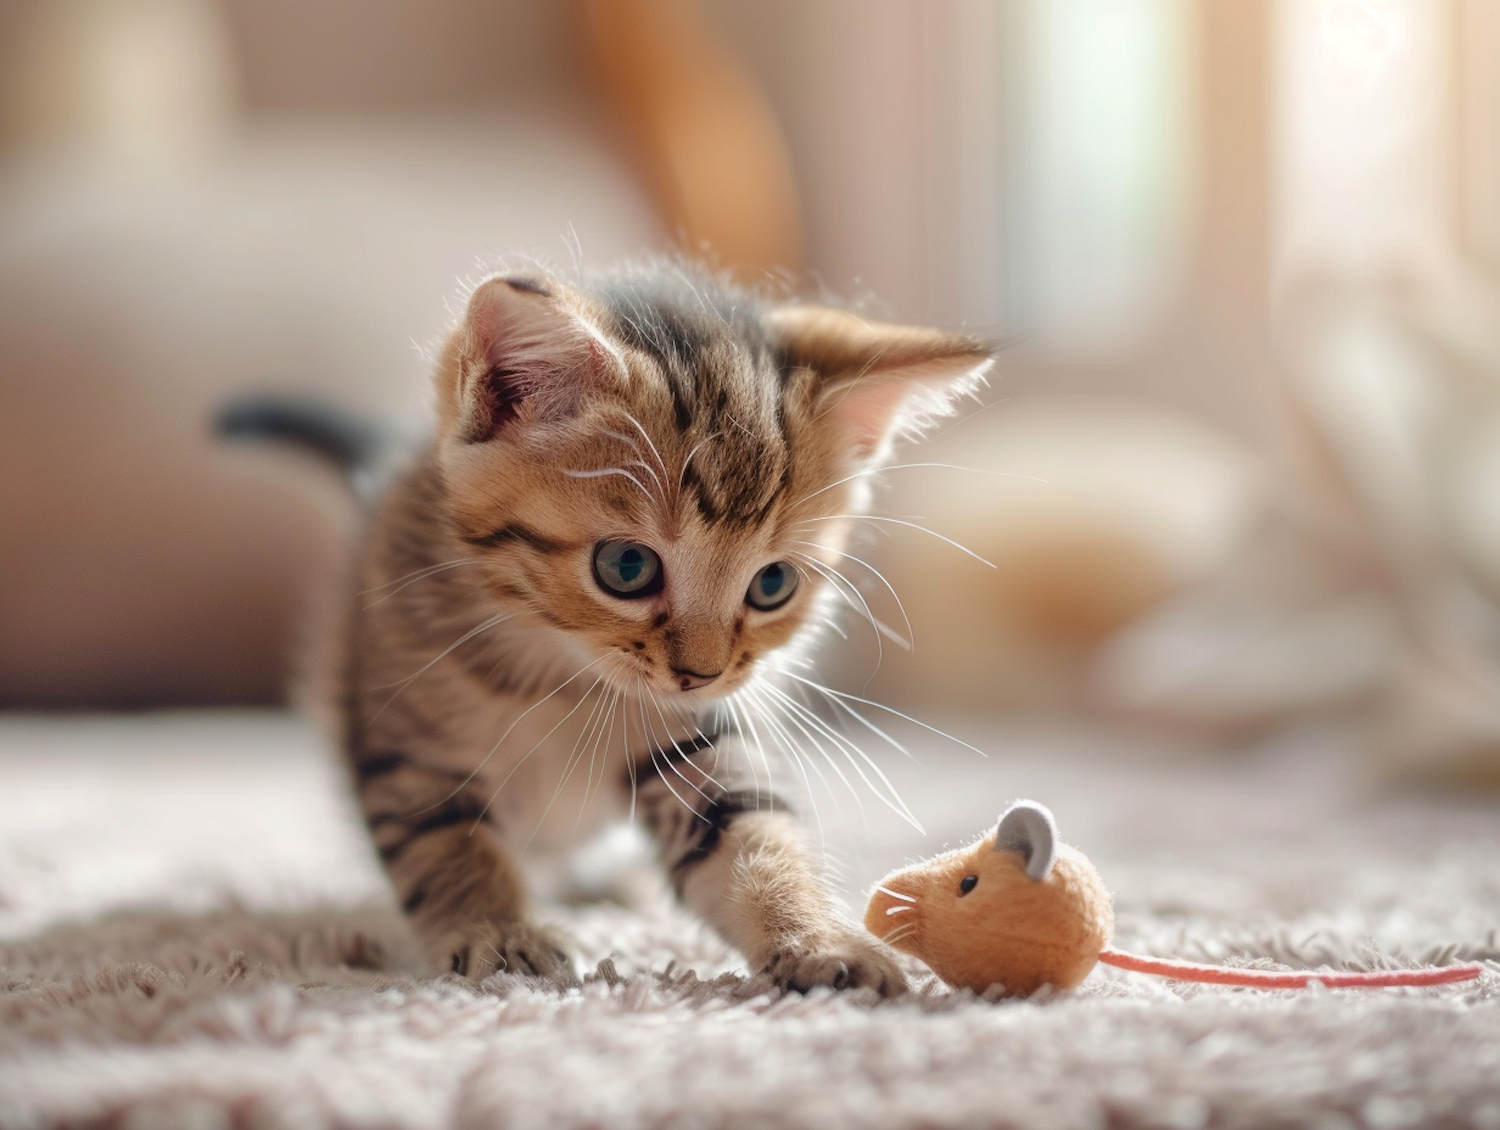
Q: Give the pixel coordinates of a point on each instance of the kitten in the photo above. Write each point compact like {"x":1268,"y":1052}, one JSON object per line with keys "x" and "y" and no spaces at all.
{"x":613,"y":550}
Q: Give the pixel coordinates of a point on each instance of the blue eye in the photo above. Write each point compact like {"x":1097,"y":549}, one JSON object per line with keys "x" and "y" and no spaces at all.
{"x":773,"y":586}
{"x":627,"y":569}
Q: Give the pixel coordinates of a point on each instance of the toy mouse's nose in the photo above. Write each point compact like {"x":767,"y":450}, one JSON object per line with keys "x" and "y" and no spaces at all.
{"x":889,"y":912}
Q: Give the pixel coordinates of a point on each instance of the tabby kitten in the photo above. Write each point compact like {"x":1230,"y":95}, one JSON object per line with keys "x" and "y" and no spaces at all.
{"x":580,"y":600}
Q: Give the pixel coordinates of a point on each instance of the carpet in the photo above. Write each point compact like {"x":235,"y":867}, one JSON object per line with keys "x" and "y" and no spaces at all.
{"x":193,"y":934}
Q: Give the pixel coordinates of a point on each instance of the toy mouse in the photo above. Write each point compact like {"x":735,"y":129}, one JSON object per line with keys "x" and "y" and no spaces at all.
{"x":1021,"y":909}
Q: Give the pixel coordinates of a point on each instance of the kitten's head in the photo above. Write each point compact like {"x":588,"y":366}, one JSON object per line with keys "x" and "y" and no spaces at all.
{"x":664,"y":468}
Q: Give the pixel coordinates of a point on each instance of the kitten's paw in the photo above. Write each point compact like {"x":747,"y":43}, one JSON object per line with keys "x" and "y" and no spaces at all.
{"x":482,"y":948}
{"x":840,"y":962}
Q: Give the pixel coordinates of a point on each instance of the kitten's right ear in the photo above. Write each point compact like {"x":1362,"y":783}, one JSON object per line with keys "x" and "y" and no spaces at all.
{"x":523,"y":353}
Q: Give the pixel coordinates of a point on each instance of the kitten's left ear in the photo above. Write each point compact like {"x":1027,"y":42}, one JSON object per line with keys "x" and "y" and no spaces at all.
{"x":875,"y":378}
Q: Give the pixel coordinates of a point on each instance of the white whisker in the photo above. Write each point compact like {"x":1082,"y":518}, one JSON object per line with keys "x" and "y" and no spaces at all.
{"x":413,"y":577}
{"x":667,"y":726}
{"x":758,"y":747}
{"x":658,"y":748}
{"x":840,"y":583}
{"x":682,"y":475}
{"x":840,"y":696}
{"x":575,"y":755}
{"x":629,"y":759}
{"x":902,"y":522}
{"x":766,"y":707}
{"x":485,"y":626}
{"x":574,"y":709}
{"x":910,"y":635}
{"x":606,"y":717}
{"x":895,"y":894}
{"x":871,"y":472}
{"x":650,"y":443}
{"x":655,"y":478}
{"x":473,"y":773}
{"x":635,"y":446}
{"x":655,"y":749}
{"x":590,"y":790}
{"x":788,"y":742}
{"x":900,"y":933}
{"x":605,"y":472}
{"x":855,"y":756}
{"x":855,"y":714}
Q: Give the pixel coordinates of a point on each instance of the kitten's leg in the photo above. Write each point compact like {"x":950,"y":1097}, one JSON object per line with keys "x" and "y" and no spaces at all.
{"x":738,"y":858}
{"x":454,"y":878}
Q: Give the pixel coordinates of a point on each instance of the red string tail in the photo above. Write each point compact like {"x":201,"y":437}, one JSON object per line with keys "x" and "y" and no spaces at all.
{"x":1276,"y":979}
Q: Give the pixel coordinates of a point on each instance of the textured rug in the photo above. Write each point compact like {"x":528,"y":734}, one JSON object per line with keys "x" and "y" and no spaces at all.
{"x":192,"y":934}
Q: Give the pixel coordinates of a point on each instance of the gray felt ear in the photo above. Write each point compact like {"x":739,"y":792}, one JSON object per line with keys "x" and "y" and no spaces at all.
{"x":1028,"y":828}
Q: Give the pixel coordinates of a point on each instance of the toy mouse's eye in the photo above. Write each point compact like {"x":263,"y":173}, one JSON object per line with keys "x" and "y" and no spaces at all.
{"x":968,"y":884}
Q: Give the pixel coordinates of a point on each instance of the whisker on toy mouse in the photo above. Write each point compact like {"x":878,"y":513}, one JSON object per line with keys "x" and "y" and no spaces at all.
{"x":1020,"y":909}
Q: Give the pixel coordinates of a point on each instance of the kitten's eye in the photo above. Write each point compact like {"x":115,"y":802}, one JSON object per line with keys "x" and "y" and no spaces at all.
{"x":968,"y":884}
{"x":627,"y":569}
{"x":773,"y":586}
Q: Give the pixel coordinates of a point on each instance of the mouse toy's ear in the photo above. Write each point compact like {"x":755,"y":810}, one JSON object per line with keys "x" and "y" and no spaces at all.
{"x":1028,"y":828}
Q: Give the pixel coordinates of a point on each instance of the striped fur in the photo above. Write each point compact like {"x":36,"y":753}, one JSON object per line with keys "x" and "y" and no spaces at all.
{"x":496,"y":699}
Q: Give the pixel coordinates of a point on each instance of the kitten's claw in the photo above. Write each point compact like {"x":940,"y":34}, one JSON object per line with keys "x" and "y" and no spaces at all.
{"x":840,"y":963}
{"x":483,"y":948}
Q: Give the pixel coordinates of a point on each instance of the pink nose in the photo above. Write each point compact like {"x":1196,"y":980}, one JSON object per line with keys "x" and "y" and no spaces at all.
{"x":691,"y":680}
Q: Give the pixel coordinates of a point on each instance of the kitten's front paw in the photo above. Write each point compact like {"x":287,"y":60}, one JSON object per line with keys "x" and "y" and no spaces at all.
{"x":840,"y":962}
{"x":482,"y":948}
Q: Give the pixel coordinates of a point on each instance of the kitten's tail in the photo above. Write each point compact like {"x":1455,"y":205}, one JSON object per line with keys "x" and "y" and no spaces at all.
{"x":353,"y":447}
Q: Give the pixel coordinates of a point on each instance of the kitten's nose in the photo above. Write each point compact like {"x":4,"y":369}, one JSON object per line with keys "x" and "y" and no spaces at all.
{"x":691,"y":680}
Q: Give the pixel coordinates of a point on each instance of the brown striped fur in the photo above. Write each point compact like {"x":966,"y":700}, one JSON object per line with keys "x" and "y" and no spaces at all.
{"x":496,"y":699}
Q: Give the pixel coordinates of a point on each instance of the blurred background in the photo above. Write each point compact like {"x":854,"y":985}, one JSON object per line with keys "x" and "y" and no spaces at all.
{"x":1238,"y":469}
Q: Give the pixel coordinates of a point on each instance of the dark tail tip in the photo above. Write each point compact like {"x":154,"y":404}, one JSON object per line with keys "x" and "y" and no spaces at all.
{"x":350,"y":445}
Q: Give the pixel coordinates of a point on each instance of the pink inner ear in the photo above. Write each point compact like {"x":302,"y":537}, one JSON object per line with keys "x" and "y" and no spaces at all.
{"x":868,"y":408}
{"x":874,"y":406}
{"x":531,"y":348}
{"x":503,"y":394}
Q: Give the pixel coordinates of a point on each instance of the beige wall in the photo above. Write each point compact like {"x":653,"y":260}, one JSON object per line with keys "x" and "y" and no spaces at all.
{"x":199,"y":200}
{"x":200,"y":197}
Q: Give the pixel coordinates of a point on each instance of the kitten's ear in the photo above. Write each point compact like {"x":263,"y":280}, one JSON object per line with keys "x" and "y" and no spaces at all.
{"x":523,"y":352}
{"x":874,"y":378}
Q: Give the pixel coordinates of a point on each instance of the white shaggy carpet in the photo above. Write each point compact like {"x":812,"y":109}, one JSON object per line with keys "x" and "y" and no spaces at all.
{"x":192,"y":934}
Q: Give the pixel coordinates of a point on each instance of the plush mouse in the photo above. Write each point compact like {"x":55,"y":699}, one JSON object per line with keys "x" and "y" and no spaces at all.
{"x":1020,"y":909}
